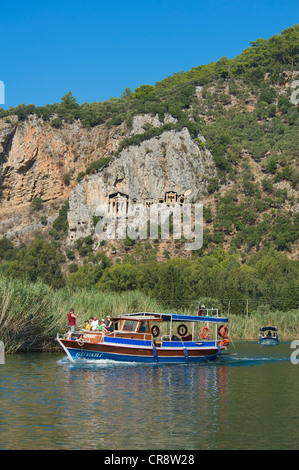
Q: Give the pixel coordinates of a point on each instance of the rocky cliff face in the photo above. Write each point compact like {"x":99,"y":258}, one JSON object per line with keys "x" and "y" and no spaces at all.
{"x":35,"y":159}
{"x":171,"y":165}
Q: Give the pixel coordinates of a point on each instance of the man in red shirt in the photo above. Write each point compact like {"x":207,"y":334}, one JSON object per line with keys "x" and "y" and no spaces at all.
{"x":199,"y":312}
{"x":72,"y":320}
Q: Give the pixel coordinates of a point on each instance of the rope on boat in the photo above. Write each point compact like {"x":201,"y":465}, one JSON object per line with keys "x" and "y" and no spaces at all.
{"x":236,"y":352}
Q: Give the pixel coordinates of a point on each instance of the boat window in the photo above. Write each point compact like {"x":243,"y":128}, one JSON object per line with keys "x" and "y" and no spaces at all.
{"x":130,"y":325}
{"x":144,"y":327}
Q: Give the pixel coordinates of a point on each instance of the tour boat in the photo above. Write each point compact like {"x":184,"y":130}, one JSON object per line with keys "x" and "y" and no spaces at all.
{"x":268,"y":336}
{"x":152,"y":338}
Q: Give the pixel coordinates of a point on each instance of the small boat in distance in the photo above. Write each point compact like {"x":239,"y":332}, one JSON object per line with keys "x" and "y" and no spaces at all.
{"x":152,"y":338}
{"x":268,"y":336}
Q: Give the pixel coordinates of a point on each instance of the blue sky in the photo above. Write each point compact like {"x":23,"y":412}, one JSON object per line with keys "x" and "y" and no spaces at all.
{"x":97,"y":48}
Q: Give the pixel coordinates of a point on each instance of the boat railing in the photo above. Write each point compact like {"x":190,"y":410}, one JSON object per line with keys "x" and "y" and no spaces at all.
{"x":119,"y":333}
{"x":207,"y":312}
{"x":89,"y":335}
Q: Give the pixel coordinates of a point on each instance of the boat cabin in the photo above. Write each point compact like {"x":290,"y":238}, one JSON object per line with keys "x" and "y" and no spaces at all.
{"x":164,"y":329}
{"x":268,"y":332}
{"x":133,"y":328}
{"x":268,"y":335}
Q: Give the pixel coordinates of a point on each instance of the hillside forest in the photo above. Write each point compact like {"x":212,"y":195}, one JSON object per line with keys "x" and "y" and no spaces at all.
{"x":247,"y":110}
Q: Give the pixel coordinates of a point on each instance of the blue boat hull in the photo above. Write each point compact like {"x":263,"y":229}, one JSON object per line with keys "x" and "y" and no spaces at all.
{"x":76,"y":354}
{"x":95,"y":355}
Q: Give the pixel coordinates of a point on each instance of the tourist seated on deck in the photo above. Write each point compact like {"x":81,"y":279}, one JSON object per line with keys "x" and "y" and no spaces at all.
{"x":94,"y":323}
{"x":109,"y":324}
{"x":101,"y":326}
{"x":86,"y":326}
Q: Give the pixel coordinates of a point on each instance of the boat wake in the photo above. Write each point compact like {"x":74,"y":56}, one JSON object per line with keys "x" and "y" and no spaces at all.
{"x":94,"y":362}
{"x":251,"y":361}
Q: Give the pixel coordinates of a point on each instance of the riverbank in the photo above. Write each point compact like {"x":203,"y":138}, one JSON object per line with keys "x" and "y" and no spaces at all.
{"x":31,"y":314}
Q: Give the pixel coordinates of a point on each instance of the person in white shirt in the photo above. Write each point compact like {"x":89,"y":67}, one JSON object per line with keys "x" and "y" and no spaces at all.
{"x":94,"y":323}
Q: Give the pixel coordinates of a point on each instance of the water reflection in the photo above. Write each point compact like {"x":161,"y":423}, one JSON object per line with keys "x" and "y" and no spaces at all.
{"x":148,"y":405}
{"x":50,"y":403}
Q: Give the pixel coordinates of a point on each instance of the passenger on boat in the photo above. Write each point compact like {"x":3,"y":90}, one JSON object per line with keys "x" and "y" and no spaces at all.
{"x":109,"y":324}
{"x":94,"y":323}
{"x":101,"y":326}
{"x":86,"y":325}
{"x":199,"y":312}
{"x":72,"y":317}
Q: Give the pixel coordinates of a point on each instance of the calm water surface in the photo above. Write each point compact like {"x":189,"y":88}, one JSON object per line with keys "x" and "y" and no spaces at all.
{"x":246,"y":401}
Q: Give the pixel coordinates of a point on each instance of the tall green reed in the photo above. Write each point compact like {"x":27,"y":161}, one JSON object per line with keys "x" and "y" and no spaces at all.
{"x":31,"y":314}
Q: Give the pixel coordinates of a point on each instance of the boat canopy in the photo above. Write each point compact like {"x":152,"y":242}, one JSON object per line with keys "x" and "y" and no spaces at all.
{"x":174,"y":317}
{"x":268,"y":328}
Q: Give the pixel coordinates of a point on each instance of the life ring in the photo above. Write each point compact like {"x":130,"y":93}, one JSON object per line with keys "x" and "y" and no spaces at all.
{"x":155,"y":331}
{"x":204,"y":335}
{"x":80,"y":341}
{"x":223,"y":331}
{"x":224,"y":342}
{"x":182,"y":330}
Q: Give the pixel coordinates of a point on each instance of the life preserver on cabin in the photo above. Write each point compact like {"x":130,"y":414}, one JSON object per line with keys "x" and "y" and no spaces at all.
{"x":155,"y":331}
{"x":206,"y":334}
{"x":182,"y":330}
{"x":223,"y":331}
{"x":80,"y":341}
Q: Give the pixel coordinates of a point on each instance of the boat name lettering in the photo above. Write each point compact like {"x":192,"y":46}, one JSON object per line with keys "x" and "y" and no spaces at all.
{"x":89,"y":354}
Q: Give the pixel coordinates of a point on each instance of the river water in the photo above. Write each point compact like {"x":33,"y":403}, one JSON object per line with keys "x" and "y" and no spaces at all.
{"x":246,"y":401}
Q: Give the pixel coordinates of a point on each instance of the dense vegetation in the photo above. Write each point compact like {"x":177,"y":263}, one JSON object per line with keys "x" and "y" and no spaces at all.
{"x":32,"y":313}
{"x":243,"y":109}
{"x":266,"y":278}
{"x":175,"y":94}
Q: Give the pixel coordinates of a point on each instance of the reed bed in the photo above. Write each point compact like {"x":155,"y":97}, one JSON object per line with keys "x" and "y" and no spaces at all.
{"x":287,"y":323}
{"x":31,"y":314}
